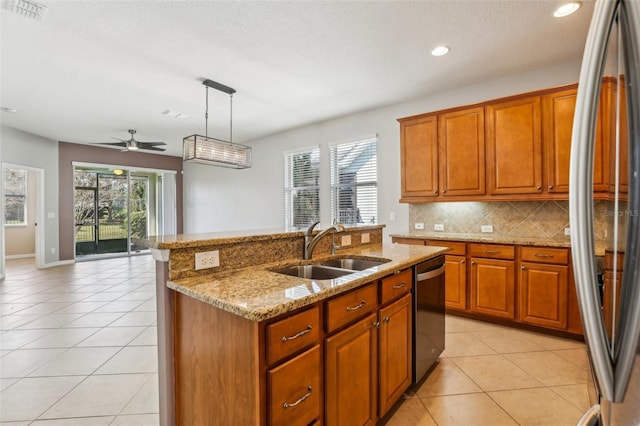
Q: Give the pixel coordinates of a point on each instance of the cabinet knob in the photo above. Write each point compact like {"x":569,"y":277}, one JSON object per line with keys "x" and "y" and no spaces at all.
{"x":444,"y":190}
{"x":435,"y":192}
{"x":462,"y":261}
{"x":523,"y":268}
{"x":550,"y":186}
{"x":473,"y":263}
{"x":539,"y":188}
{"x":376,"y":324}
{"x":386,"y":319}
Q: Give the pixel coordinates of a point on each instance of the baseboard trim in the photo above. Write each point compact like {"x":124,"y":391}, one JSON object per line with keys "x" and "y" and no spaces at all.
{"x":19,"y":256}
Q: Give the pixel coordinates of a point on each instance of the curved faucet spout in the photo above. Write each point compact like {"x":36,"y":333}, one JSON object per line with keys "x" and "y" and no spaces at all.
{"x":310,"y":243}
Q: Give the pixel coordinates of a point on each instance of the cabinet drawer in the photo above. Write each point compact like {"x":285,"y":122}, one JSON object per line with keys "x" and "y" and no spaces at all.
{"x":292,"y":334}
{"x":492,"y":251}
{"x":294,"y":390}
{"x":351,"y":306}
{"x":556,"y":256}
{"x":457,"y":248}
{"x":396,"y":285}
{"x":412,"y":241}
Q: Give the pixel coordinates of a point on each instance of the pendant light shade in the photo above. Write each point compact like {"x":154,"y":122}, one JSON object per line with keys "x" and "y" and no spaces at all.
{"x":216,"y":152}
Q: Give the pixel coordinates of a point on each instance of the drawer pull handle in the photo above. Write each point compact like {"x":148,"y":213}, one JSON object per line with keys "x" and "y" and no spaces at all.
{"x":492,"y":251}
{"x":543,"y":255}
{"x":299,"y":334}
{"x":302,"y":399}
{"x":399,"y":286}
{"x":358,"y":306}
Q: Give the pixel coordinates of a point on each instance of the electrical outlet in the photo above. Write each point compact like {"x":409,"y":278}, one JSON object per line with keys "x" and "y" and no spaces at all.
{"x":53,"y":250}
{"x":419,"y":225}
{"x":364,"y":238}
{"x":486,"y":228}
{"x":345,"y":240}
{"x":207,"y":259}
{"x":392,"y":217}
{"x":567,"y":231}
{"x":438,"y":227}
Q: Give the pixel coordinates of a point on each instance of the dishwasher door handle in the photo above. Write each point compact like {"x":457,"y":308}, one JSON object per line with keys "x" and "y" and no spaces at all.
{"x":430,"y":274}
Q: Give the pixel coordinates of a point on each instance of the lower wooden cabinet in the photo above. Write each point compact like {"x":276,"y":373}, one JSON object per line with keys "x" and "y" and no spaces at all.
{"x":295,"y":391}
{"x":395,"y":351}
{"x":493,"y":287}
{"x":351,"y":373}
{"x":543,"y":294}
{"x":455,"y":279}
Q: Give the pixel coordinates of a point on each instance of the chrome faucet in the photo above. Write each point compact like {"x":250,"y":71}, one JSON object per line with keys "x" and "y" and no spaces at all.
{"x":310,"y":242}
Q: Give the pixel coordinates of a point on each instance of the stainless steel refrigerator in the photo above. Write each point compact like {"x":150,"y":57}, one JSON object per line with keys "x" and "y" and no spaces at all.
{"x":610,"y":313}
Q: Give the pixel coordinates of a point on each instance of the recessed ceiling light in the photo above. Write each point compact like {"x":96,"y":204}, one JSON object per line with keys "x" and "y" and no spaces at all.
{"x":175,"y":114}
{"x":9,"y":110}
{"x":440,"y":50}
{"x":567,"y":9}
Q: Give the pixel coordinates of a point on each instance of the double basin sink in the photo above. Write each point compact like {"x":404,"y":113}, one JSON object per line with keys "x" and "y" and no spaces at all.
{"x":331,"y":268}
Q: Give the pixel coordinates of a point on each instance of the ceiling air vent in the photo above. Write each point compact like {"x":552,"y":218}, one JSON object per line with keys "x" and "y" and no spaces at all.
{"x":27,"y":8}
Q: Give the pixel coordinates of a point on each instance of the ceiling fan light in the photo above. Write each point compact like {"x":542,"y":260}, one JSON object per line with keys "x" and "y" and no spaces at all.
{"x":215,"y":152}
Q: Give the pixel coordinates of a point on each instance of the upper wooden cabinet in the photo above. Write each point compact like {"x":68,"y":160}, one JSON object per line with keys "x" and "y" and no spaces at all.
{"x":514,"y":145}
{"x":557,"y":110}
{"x":462,"y":152}
{"x":419,"y":156}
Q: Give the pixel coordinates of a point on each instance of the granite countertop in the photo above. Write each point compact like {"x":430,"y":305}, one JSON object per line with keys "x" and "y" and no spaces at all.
{"x":231,"y":237}
{"x":257,"y":293}
{"x":564,"y":242}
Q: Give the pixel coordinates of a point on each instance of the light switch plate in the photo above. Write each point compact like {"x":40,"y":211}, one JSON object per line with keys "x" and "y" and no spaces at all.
{"x":345,"y":240}
{"x":364,"y":238}
{"x":567,"y":231}
{"x":438,"y":227}
{"x":392,"y":216}
{"x":486,"y":228}
{"x":207,"y":259}
{"x":419,"y":225}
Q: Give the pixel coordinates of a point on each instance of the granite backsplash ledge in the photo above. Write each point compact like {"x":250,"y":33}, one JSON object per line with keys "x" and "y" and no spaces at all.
{"x":537,"y":219}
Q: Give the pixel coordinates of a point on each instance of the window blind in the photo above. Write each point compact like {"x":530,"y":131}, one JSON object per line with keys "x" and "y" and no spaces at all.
{"x":301,"y":187}
{"x":15,"y":197}
{"x":354,"y":182}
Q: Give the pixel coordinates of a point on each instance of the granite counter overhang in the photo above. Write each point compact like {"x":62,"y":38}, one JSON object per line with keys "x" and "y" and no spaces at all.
{"x":257,"y":293}
{"x":600,"y":246}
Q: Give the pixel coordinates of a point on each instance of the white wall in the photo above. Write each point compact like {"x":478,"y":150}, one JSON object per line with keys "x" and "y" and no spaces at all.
{"x":218,"y":199}
{"x":26,"y":149}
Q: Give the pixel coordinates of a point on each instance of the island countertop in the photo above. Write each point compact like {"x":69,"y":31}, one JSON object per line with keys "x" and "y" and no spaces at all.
{"x":258,"y":293}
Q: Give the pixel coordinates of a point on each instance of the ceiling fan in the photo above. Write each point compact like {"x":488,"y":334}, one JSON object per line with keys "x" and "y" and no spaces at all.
{"x":131,"y":144}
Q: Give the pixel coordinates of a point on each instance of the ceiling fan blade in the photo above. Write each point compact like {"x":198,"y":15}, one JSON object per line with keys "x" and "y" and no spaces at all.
{"x":123,"y":143}
{"x":149,"y":148}
{"x":150,"y":143}
{"x":121,"y":140}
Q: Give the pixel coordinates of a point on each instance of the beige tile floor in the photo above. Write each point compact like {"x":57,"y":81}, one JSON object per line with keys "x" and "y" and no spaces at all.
{"x":78,"y":347}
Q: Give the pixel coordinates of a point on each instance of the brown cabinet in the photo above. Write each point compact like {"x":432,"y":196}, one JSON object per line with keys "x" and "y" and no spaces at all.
{"x":558,"y":110}
{"x":292,"y":334}
{"x":351,"y":369}
{"x":295,"y":390}
{"x":514,"y":146}
{"x":395,"y":355}
{"x":455,"y":277}
{"x":543,"y":287}
{"x":419,"y":156}
{"x":462,"y":152}
{"x":346,"y":308}
{"x":396,"y":285}
{"x":492,"y":280}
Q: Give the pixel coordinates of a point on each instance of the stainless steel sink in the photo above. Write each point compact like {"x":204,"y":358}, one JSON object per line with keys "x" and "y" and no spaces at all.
{"x":314,"y":272}
{"x":353,"y":264}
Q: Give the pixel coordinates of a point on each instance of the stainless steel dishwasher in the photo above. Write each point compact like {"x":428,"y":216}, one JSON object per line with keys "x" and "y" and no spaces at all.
{"x":428,"y":314}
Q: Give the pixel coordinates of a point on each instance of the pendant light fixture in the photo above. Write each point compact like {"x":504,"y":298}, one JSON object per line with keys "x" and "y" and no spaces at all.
{"x":216,"y":152}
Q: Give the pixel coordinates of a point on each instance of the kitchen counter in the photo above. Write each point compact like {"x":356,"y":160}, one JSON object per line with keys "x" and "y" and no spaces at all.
{"x":257,"y":293}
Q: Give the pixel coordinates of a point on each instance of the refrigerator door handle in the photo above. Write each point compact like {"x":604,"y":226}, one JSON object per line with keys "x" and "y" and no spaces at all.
{"x":626,"y":342}
{"x":581,"y":195}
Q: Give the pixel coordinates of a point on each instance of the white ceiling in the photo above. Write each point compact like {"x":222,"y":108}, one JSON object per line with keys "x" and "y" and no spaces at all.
{"x":90,"y":70}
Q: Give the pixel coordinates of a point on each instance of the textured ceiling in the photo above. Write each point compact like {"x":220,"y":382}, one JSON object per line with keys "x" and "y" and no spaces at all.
{"x":90,"y":70}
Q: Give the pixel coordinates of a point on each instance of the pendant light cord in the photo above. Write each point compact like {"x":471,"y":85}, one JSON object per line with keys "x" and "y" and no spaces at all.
{"x":206,"y":114}
{"x":231,"y":117}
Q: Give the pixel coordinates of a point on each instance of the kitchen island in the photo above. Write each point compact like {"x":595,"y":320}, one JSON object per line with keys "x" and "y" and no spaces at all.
{"x":240,"y":343}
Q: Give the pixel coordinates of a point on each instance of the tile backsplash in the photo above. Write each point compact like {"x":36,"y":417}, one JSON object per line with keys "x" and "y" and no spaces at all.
{"x":546,"y":219}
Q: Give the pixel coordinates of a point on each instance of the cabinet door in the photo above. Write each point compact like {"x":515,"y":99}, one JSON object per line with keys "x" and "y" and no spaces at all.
{"x":395,"y":351}
{"x":492,"y":287}
{"x":543,"y":294}
{"x":462,"y":153}
{"x":455,"y":282}
{"x":514,"y":147}
{"x":558,"y":109}
{"x":419,"y":157}
{"x":351,"y":385}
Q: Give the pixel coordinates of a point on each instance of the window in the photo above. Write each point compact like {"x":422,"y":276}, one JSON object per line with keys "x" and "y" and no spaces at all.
{"x":301,"y":187}
{"x":354,"y":182}
{"x":15,"y":197}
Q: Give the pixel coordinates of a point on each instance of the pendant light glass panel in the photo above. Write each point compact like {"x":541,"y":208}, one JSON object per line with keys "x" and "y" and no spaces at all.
{"x":205,"y":150}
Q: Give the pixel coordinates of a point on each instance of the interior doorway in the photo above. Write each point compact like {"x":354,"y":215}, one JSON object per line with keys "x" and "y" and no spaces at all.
{"x":22,"y":214}
{"x":114,"y":207}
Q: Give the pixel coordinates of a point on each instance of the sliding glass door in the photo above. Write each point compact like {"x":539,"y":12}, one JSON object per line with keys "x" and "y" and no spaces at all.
{"x":114,"y":207}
